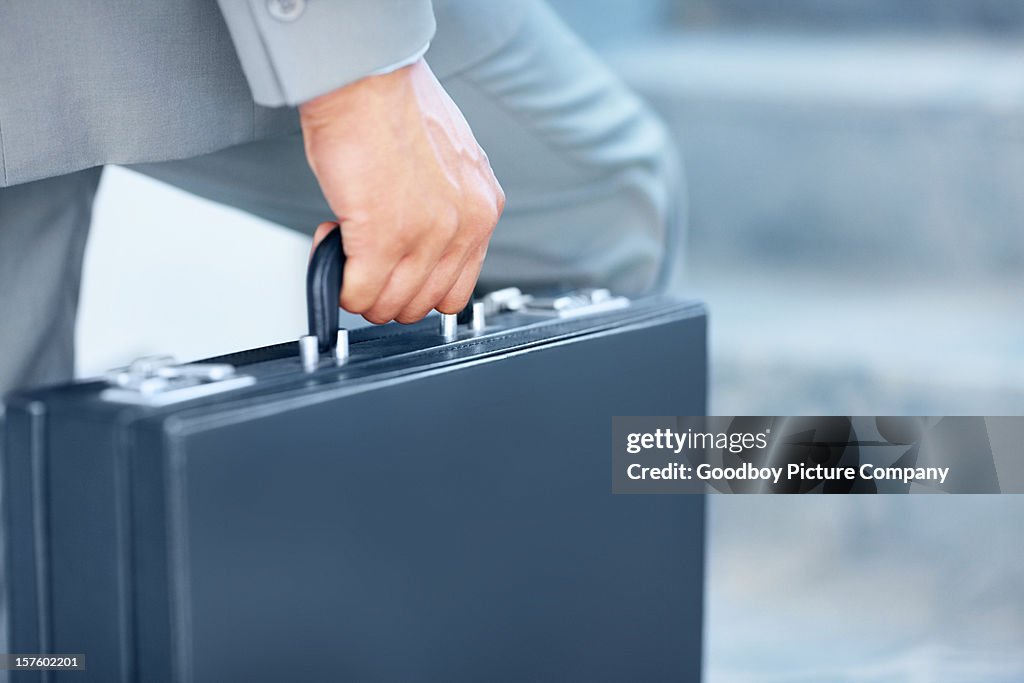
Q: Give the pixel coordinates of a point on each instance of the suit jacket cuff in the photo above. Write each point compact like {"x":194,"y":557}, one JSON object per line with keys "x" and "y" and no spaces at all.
{"x":294,"y":50}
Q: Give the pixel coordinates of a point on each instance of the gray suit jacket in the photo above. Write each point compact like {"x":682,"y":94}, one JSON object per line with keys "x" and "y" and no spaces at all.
{"x":94,"y":82}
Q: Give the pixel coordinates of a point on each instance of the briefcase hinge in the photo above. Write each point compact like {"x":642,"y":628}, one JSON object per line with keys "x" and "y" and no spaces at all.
{"x":159,"y":380}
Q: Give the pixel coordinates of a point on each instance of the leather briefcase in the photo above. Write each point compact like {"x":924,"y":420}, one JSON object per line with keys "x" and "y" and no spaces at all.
{"x":428,"y":502}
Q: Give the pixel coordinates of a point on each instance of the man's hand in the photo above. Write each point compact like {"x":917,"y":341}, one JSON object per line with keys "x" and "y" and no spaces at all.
{"x":414,"y":193}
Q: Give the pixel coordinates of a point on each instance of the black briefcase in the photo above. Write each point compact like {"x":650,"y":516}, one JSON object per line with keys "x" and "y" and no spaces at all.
{"x":418,"y":503}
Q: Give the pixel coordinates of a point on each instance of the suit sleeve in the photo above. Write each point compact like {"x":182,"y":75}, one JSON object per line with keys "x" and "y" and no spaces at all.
{"x":294,"y":50}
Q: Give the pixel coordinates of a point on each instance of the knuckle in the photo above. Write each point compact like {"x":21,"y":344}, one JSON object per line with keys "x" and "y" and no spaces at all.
{"x":377,"y":317}
{"x":357,"y":299}
{"x":487,"y":217}
{"x":487,"y":229}
{"x":351,"y":301}
{"x":499,"y":197}
{"x":480,"y":234}
{"x":462,"y":244}
{"x":401,"y":242}
{"x":453,"y":302}
{"x":359,"y":307}
{"x":385,"y":309}
{"x":412,"y":314}
{"x":447,"y":228}
{"x":477,"y":228}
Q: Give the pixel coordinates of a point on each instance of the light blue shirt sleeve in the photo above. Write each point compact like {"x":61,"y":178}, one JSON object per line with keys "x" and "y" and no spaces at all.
{"x":295,"y":50}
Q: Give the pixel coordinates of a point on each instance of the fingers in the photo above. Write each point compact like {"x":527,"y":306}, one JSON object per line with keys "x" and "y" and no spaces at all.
{"x":438,"y":269}
{"x":461,"y":292}
{"x":389,"y":276}
{"x":364,"y":277}
{"x":372,"y":258}
{"x":322,"y":231}
{"x":441,"y":280}
{"x":458,"y":293}
{"x":450,"y":283}
{"x":437,"y":273}
{"x":406,"y":282}
{"x":405,"y":290}
{"x":363,"y":281}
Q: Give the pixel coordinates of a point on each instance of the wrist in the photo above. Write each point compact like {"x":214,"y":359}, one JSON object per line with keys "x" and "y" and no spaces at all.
{"x":357,"y":95}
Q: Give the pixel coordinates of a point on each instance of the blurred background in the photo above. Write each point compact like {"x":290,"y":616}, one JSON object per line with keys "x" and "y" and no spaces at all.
{"x":856,"y":225}
{"x":856,"y":185}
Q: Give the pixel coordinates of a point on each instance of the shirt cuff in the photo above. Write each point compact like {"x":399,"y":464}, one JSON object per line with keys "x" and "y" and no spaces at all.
{"x":295,"y":50}
{"x":402,"y":63}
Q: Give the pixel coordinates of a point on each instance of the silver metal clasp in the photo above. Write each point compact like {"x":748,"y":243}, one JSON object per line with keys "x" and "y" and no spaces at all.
{"x":575,"y":303}
{"x":502,"y":300}
{"x":568,"y":305}
{"x":159,"y":380}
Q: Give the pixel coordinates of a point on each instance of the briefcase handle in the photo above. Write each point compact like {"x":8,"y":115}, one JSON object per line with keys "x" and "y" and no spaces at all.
{"x":323,"y":287}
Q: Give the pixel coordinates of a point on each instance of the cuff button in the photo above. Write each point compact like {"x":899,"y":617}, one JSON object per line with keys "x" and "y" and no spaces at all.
{"x":286,"y":10}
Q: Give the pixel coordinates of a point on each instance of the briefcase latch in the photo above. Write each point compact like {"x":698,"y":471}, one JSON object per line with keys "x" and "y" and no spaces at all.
{"x":576,"y":303}
{"x":564,"y":305}
{"x":159,"y":380}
